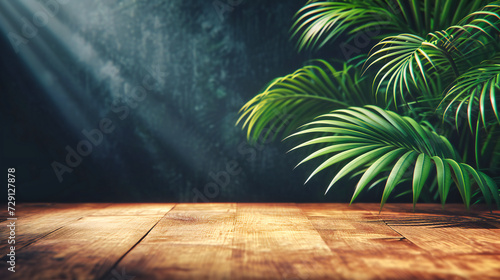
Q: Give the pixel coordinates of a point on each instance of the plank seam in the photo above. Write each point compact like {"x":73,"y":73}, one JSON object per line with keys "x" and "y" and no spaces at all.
{"x":42,"y":237}
{"x":403,"y":238}
{"x":315,"y":228}
{"x":106,"y":275}
{"x":51,"y":232}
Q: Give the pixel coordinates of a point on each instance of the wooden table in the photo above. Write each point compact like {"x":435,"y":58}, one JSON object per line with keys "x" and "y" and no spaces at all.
{"x":252,"y":241}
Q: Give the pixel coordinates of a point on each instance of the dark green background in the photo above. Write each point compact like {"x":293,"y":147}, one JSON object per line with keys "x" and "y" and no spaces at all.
{"x":207,"y":63}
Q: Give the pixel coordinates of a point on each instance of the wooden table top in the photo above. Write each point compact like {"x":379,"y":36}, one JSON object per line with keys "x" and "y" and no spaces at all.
{"x":251,"y":241}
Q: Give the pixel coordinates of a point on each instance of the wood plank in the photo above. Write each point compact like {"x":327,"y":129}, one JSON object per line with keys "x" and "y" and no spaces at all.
{"x":445,"y":232}
{"x":350,"y":229}
{"x":476,"y":266}
{"x":193,"y":241}
{"x":29,"y":209}
{"x":366,"y":243}
{"x":135,"y":209}
{"x":468,"y":242}
{"x":25,"y":208}
{"x":86,"y":248}
{"x":255,"y":241}
{"x":277,"y":241}
{"x":34,"y":221}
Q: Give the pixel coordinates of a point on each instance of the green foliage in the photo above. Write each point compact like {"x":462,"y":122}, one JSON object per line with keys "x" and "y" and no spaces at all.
{"x":477,"y":88}
{"x":429,"y":87}
{"x":306,"y":93}
{"x":382,"y":143}
{"x":319,"y":22}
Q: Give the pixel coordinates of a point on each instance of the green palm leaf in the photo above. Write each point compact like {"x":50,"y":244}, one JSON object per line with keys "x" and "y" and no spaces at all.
{"x":290,"y":101}
{"x":475,"y":92}
{"x":405,"y":62}
{"x":438,"y":58}
{"x":423,"y":68}
{"x":384,"y":144}
{"x":319,"y":22}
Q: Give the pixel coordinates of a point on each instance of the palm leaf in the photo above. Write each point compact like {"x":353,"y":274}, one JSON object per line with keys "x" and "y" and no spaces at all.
{"x":477,"y":89}
{"x":409,"y":65}
{"x":319,"y":22}
{"x":290,"y":101}
{"x":382,"y":141}
{"x":405,"y":61}
{"x":432,"y":53}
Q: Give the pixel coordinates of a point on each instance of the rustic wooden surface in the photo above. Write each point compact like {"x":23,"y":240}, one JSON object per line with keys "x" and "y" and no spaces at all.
{"x":252,"y":241}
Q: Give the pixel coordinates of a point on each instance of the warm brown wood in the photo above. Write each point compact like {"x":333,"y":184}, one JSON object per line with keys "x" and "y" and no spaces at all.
{"x":366,"y":243}
{"x":38,"y":220}
{"x":254,"y":241}
{"x":444,"y":232}
{"x":193,"y":241}
{"x":134,"y":209}
{"x":466,"y":241}
{"x":277,"y":241}
{"x":78,"y":248}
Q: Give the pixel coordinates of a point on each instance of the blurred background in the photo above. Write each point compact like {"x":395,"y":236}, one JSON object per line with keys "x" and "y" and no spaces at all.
{"x":108,"y":100}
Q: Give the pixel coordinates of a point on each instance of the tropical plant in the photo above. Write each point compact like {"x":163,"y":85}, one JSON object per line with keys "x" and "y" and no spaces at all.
{"x":420,"y":106}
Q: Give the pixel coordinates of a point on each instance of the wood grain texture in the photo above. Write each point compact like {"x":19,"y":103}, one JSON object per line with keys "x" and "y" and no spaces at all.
{"x":86,"y":249}
{"x":135,"y":209}
{"x":36,"y":221}
{"x":454,"y":236}
{"x":277,"y":241}
{"x":366,"y":243}
{"x":193,"y":241}
{"x":255,"y":241}
{"x":451,"y":231}
{"x":80,"y":246}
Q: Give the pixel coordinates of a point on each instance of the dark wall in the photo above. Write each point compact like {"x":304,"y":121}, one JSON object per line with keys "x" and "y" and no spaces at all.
{"x":193,"y":64}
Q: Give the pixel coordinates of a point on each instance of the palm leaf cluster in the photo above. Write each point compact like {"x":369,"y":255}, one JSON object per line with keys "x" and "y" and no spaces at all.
{"x":420,"y":108}
{"x":320,"y":22}
{"x":288,"y":102}
{"x":386,"y":144}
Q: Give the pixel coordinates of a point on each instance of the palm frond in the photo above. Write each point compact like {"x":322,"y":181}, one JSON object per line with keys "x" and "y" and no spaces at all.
{"x":476,"y":92}
{"x":432,"y":53}
{"x":375,"y":141}
{"x":411,"y":65}
{"x":473,"y":99}
{"x":485,"y":21}
{"x":479,"y":82}
{"x":290,"y":101}
{"x":406,"y":62}
{"x":319,"y":22}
